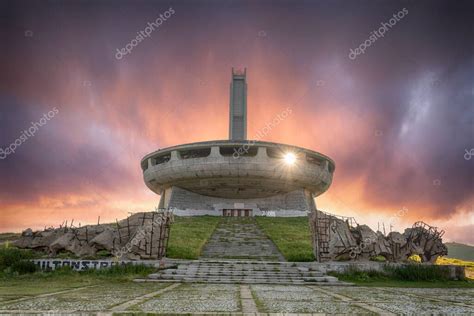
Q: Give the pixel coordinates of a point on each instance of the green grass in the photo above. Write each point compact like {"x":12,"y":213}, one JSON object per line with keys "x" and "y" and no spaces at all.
{"x":291,"y":235}
{"x":410,"y":284}
{"x":65,"y":278}
{"x":414,"y":275}
{"x":189,"y":234}
{"x":418,"y":272}
{"x":16,"y":261}
{"x":460,"y":251}
{"x":39,"y":283}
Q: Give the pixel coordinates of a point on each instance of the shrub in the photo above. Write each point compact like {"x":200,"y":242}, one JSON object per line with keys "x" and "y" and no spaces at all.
{"x":11,"y":256}
{"x":23,"y":267}
{"x":14,"y":260}
{"x":418,"y":272}
{"x":407,"y":272}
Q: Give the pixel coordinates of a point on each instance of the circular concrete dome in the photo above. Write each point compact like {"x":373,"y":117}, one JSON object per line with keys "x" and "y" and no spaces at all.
{"x":238,"y":169}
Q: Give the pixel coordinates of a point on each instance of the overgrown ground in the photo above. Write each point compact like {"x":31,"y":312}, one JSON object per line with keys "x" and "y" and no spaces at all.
{"x":27,"y":284}
{"x":291,"y":235}
{"x":409,"y":276}
{"x":189,"y":234}
{"x":15,"y":283}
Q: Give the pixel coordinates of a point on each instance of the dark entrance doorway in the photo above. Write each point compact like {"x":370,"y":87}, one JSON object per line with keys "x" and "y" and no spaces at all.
{"x":232,"y":212}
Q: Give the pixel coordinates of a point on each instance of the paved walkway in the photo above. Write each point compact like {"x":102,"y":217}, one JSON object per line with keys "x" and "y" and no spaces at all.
{"x":240,"y":238}
{"x":171,"y":298}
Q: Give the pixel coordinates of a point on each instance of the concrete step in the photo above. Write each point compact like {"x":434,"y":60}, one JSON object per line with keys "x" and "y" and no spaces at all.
{"x":241,"y":277}
{"x":277,"y":269}
{"x":248,"y":280}
{"x":287,"y":271}
{"x":240,"y":262}
{"x":326,"y":278}
{"x":253,"y":279}
{"x":339,"y":283}
{"x":245,"y":281}
{"x":244,"y":273}
{"x":253,"y":268}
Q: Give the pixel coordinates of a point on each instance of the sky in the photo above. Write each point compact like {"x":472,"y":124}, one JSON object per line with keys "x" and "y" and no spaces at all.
{"x":395,"y":112}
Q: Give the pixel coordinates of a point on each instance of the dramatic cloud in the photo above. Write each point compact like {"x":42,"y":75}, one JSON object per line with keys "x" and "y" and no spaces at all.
{"x":397,"y":120}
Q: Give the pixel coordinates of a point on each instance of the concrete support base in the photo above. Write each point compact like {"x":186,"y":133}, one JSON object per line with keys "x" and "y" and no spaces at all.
{"x":187,"y":203}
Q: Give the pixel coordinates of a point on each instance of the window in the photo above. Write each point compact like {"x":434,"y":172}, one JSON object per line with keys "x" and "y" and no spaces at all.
{"x":161,"y":159}
{"x":246,"y":150}
{"x":195,"y":153}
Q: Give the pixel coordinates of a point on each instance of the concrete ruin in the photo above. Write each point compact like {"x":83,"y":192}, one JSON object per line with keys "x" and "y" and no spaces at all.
{"x":239,"y":176}
{"x":140,"y":236}
{"x":337,"y":238}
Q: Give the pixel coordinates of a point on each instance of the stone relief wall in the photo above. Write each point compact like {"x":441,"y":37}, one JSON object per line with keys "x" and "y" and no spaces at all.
{"x":140,"y":236}
{"x":341,"y":238}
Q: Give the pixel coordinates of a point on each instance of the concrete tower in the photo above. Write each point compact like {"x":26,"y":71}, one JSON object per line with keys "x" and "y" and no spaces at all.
{"x":237,"y":177}
{"x":238,"y":106}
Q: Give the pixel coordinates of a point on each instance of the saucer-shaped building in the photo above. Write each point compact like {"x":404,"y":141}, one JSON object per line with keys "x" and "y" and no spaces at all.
{"x":237,"y":177}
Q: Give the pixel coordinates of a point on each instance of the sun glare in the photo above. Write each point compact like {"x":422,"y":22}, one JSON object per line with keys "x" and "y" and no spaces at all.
{"x":290,"y":158}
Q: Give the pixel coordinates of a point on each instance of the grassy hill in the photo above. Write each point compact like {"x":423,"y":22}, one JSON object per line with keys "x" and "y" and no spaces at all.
{"x":460,"y":251}
{"x":8,"y":237}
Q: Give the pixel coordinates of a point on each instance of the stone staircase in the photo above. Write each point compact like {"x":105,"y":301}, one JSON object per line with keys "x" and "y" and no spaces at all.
{"x":243,"y":272}
{"x":240,"y":238}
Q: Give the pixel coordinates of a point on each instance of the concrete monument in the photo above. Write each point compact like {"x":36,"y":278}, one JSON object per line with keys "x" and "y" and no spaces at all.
{"x":237,"y":177}
{"x":341,"y":238}
{"x":139,"y":236}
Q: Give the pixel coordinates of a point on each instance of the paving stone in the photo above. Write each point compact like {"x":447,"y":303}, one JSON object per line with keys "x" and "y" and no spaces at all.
{"x":328,"y":307}
{"x":368,"y":294}
{"x":425,"y":307}
{"x":195,"y":298}
{"x":464,"y":296}
{"x":97,"y":298}
{"x":230,"y":298}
